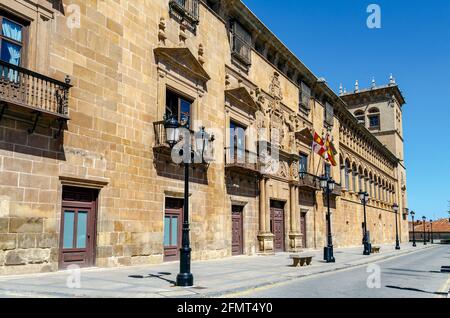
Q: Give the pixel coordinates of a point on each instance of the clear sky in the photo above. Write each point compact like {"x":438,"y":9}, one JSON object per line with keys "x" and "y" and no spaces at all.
{"x":333,"y":40}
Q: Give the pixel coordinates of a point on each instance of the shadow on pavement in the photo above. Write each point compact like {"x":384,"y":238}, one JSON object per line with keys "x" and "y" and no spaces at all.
{"x":413,"y":270}
{"x":159,"y":276}
{"x":417,"y":290}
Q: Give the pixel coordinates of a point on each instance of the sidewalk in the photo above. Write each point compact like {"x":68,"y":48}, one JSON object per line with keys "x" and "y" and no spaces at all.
{"x":213,"y":278}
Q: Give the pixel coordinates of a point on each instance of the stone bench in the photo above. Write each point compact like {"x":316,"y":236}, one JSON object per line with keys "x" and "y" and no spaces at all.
{"x":301,"y":259}
{"x":376,"y":249}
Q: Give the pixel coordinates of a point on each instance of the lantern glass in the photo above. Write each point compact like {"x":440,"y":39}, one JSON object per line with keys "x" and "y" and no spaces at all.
{"x":424,"y":218}
{"x":201,"y":140}
{"x":324,"y":182}
{"x":395,"y":207}
{"x":172,"y":131}
{"x":331,"y":185}
{"x":362,"y":196}
{"x":412,"y":213}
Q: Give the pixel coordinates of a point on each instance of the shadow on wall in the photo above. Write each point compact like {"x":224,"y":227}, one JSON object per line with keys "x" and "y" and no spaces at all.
{"x":15,"y":137}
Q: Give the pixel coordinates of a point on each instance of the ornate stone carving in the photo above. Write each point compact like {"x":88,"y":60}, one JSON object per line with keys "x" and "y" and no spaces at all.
{"x":201,"y":52}
{"x":162,"y":32}
{"x":275,"y":87}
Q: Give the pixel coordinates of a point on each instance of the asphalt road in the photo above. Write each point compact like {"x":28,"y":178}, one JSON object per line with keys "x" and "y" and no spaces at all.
{"x":415,"y":275}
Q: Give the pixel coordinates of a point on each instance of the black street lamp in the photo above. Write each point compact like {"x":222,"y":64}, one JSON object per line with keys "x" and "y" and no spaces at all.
{"x":172,"y":129}
{"x":431,"y":232}
{"x":397,"y":242}
{"x":414,"y":230}
{"x":327,"y":184}
{"x":424,"y":230}
{"x":364,"y":197}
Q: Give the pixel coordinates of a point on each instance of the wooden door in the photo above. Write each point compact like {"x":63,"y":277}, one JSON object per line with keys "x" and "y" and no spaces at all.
{"x":303,"y":228}
{"x":237,"y":230}
{"x":78,"y":227}
{"x":277,"y":226}
{"x":173,"y":227}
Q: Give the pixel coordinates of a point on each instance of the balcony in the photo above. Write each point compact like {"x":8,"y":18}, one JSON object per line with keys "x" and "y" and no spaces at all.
{"x":309,"y":181}
{"x":241,"y":50}
{"x":185,"y":10}
{"x":32,"y":95}
{"x":242,"y":161}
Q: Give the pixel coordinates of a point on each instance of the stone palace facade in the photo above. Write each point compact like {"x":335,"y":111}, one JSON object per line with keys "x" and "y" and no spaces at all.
{"x":86,"y":177}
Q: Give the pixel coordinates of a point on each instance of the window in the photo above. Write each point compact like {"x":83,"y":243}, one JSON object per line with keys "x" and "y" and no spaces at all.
{"x":374,"y":118}
{"x":305,"y":96}
{"x":241,"y":43}
{"x":11,"y":45}
{"x":179,"y":107}
{"x":360,"y":116}
{"x":237,"y":142}
{"x":329,"y":114}
{"x":186,"y":8}
{"x":327,"y":169}
{"x":347,"y":176}
{"x":354,"y":180}
{"x":303,"y":163}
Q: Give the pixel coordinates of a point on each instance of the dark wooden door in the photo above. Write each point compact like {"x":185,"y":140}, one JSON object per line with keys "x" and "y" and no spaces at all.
{"x":173,"y":227}
{"x":277,"y":226}
{"x":78,"y":227}
{"x":237,"y":230}
{"x":303,"y":228}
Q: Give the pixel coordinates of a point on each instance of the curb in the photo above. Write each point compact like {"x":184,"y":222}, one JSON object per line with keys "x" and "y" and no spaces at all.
{"x":291,"y":279}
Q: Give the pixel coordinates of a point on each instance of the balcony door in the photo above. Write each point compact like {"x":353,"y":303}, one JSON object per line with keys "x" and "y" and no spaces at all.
{"x":237,"y":142}
{"x":78,"y":227}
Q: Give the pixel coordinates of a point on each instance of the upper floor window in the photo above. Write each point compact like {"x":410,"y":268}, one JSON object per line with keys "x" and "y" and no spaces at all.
{"x":360,"y":116}
{"x":374,"y":118}
{"x":327,"y":169}
{"x":237,"y":141}
{"x":11,"y":44}
{"x":329,"y":114}
{"x":305,"y":96}
{"x":303,"y":163}
{"x":187,"y":10}
{"x":241,"y":41}
{"x":179,"y":107}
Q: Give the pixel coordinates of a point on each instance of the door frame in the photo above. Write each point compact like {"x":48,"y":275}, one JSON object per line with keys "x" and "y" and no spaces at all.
{"x":173,"y":211}
{"x":93,"y":206}
{"x":241,"y":252}
{"x":273,"y":207}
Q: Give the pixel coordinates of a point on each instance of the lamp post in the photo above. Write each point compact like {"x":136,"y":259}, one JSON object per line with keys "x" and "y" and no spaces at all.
{"x":327,"y":185}
{"x":397,"y":242}
{"x":172,"y":129}
{"x":424,"y":230}
{"x":431,"y":232}
{"x":414,"y":230}
{"x":364,"y":197}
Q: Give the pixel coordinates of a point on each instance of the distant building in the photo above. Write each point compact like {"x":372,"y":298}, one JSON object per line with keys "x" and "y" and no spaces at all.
{"x":440,"y":230}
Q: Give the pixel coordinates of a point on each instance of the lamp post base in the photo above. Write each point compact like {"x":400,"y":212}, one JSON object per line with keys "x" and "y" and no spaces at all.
{"x":367,"y":248}
{"x":185,"y":280}
{"x":328,"y":254}
{"x":414,"y":244}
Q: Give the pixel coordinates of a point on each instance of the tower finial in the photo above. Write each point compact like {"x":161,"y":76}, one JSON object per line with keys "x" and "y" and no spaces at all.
{"x":357,"y":86}
{"x":340,"y":90}
{"x":391,"y":80}
{"x":374,"y":84}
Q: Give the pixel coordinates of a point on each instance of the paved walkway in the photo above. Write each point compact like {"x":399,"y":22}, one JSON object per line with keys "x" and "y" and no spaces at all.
{"x":212,"y":278}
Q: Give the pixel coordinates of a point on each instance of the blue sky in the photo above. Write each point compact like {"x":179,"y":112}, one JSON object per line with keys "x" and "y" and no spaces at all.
{"x":333,"y":40}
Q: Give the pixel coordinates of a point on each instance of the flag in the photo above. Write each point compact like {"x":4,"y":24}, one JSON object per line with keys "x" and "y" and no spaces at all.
{"x":319,"y":146}
{"x":331,"y":151}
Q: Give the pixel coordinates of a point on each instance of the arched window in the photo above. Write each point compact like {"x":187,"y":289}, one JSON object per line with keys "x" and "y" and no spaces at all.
{"x":354,"y":178}
{"x":374,"y":118}
{"x":360,"y":116}
{"x":347,"y":177}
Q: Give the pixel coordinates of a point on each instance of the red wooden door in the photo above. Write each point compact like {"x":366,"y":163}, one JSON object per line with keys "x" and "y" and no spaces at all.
{"x":303,"y":228}
{"x":173,"y":226}
{"x":237,"y":230}
{"x":277,"y":226}
{"x":78,"y":227}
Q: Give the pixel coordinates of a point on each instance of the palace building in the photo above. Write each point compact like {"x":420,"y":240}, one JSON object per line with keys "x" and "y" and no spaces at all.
{"x":86,"y":175}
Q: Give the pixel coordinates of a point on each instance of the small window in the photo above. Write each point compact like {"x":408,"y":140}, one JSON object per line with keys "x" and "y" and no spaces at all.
{"x":329,"y":114}
{"x":327,"y":169}
{"x":305,"y":96}
{"x":374,"y":121}
{"x":360,"y":116}
{"x":241,"y":43}
{"x":303,"y":164}
{"x":179,"y":107}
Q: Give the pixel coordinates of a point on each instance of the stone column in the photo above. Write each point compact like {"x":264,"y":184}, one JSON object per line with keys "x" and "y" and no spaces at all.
{"x":265,"y":238}
{"x":294,"y":234}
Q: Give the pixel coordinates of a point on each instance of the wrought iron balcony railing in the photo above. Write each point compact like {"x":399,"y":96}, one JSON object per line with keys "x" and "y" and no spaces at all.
{"x":36,"y":92}
{"x":242,"y":160}
{"x":186,"y":9}
{"x":308,"y":180}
